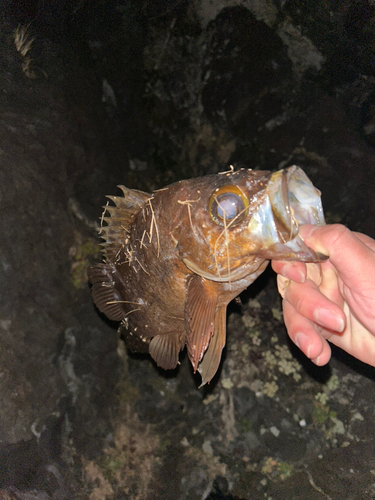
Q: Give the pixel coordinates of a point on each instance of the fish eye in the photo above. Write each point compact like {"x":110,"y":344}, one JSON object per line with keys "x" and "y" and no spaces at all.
{"x":228,"y":204}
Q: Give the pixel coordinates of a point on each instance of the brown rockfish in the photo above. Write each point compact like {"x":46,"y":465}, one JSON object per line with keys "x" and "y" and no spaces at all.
{"x":175,"y":258}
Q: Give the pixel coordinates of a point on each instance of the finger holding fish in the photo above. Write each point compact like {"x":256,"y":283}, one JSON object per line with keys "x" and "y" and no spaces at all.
{"x":312,"y":338}
{"x":307,"y":335}
{"x":309,"y":301}
{"x":313,"y":310}
{"x":318,"y":298}
{"x":295,"y":271}
{"x":343,"y":301}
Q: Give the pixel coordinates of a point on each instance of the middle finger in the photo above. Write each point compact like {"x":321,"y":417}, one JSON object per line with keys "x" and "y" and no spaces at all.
{"x":310,"y":302}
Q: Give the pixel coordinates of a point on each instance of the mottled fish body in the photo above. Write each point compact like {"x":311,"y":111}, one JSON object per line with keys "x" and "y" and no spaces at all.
{"x":175,"y":258}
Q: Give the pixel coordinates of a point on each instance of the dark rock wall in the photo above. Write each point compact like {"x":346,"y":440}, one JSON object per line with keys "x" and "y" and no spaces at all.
{"x":57,"y":370}
{"x":95,"y":94}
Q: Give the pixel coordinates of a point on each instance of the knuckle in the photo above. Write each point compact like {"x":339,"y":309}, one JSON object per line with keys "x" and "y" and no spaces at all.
{"x":338,"y":234}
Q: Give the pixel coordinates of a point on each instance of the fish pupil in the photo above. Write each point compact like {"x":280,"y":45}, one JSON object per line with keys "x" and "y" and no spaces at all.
{"x":228,"y":206}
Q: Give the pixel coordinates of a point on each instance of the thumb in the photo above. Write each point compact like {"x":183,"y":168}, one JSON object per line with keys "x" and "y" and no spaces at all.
{"x":352,"y":258}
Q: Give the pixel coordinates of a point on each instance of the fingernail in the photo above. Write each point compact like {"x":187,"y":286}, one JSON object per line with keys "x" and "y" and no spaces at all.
{"x":329,"y":319}
{"x":303,"y":342}
{"x":291,"y":273}
{"x":317,"y":361}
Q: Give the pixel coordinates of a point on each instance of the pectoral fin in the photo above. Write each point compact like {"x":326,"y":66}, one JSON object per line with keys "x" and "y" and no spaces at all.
{"x":211,"y":360}
{"x":200,"y":307}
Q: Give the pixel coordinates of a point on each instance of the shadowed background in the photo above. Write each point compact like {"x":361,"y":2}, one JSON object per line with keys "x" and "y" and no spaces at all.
{"x":95,"y":94}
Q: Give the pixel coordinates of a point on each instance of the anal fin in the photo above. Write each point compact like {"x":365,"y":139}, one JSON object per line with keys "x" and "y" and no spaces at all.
{"x":164,"y":349}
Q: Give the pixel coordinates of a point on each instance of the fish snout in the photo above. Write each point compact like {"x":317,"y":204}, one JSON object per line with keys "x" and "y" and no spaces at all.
{"x":290,"y":200}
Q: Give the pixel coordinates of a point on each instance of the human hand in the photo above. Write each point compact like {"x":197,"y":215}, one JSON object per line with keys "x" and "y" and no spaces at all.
{"x":333,"y":300}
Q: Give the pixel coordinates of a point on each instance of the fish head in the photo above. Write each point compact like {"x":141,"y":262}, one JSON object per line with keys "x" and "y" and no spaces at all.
{"x":249,"y":217}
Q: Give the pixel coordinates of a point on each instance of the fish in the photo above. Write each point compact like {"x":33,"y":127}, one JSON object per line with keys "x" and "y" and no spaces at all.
{"x":175,"y":258}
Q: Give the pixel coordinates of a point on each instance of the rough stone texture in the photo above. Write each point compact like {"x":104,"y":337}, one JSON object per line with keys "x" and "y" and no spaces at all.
{"x":142,"y":94}
{"x":57,"y":366}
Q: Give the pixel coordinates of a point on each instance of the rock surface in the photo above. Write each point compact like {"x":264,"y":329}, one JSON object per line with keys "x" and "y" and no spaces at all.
{"x":145,"y":93}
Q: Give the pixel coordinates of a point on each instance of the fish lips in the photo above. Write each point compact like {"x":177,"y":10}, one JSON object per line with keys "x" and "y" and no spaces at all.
{"x":290,"y":199}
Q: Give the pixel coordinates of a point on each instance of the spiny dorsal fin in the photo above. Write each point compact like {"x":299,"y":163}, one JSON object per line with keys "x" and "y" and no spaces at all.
{"x":121,"y":215}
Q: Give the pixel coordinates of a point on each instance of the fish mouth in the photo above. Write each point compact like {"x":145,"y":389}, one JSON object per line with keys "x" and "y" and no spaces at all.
{"x":290,"y":200}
